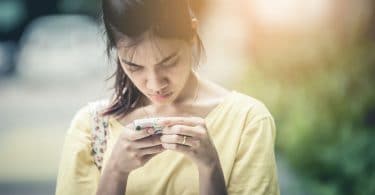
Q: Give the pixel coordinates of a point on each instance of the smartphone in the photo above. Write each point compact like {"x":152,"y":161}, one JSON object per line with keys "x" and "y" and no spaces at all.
{"x":141,"y":124}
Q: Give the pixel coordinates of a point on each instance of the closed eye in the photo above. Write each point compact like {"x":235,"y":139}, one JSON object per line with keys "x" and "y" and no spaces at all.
{"x":133,"y":67}
{"x":165,"y":62}
{"x":170,"y":64}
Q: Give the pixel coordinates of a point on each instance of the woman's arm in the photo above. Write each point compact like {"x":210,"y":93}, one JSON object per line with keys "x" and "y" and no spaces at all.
{"x":189,"y":135}
{"x":211,"y":180}
{"x":132,"y":150}
{"x":77,"y":172}
{"x":112,"y":181}
{"x":254,"y":171}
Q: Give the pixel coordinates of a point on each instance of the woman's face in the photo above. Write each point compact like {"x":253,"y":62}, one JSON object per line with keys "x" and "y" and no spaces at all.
{"x":159,"y":68}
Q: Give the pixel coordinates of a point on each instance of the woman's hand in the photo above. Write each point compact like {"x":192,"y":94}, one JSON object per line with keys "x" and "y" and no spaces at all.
{"x":134,"y":148}
{"x":189,"y":135}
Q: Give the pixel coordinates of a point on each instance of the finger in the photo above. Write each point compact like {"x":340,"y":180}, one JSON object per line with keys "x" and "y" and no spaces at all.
{"x":178,"y":139}
{"x":133,"y":135}
{"x":178,"y":147}
{"x":184,"y":130}
{"x":146,"y":142}
{"x":151,"y":150}
{"x":189,"y":121}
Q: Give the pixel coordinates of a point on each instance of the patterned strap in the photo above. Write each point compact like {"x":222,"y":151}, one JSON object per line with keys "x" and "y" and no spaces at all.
{"x":99,"y":132}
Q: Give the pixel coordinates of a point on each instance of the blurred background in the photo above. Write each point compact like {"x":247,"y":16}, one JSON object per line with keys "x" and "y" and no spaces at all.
{"x":311,"y":62}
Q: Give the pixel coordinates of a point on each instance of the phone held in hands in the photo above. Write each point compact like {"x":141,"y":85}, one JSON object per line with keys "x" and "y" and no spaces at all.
{"x":146,"y":123}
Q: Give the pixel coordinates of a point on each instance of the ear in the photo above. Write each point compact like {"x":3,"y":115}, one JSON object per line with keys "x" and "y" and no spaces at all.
{"x":194,"y":23}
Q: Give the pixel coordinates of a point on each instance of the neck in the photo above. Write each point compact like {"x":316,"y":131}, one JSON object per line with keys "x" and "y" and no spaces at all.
{"x":189,"y":93}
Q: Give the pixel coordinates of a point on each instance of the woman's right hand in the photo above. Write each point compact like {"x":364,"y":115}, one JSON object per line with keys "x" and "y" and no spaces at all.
{"x":134,"y":148}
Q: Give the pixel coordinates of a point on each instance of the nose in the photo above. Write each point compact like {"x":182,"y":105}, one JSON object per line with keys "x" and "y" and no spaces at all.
{"x":156,"y":86}
{"x":156,"y":83}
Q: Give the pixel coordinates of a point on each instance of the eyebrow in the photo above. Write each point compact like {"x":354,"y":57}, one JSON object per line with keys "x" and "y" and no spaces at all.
{"x":162,"y":61}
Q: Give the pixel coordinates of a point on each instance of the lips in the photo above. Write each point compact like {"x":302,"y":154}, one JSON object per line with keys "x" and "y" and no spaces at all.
{"x":161,"y":97}
{"x":164,"y":94}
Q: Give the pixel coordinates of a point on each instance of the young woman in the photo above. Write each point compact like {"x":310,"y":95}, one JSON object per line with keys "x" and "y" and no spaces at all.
{"x":213,"y":141}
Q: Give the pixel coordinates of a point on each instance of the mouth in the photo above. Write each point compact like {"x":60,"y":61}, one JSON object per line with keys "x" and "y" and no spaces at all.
{"x":161,"y":97}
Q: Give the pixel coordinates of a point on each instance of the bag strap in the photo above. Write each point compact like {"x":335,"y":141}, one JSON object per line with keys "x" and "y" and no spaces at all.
{"x":99,"y":132}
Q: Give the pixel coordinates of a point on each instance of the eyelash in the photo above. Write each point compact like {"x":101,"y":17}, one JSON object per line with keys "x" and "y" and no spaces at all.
{"x":171,"y":64}
{"x":133,"y":68}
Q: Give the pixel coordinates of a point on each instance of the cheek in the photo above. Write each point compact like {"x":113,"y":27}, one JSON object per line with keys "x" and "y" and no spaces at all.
{"x":134,"y":78}
{"x":180,"y":74}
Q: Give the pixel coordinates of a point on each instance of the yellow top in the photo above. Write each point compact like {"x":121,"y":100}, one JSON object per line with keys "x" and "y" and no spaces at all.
{"x":241,"y":128}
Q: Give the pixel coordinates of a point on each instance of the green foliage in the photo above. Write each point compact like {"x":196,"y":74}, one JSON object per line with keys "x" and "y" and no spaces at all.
{"x":325,"y":118}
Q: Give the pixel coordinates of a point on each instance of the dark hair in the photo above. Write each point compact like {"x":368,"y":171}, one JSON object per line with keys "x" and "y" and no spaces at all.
{"x":130,"y":19}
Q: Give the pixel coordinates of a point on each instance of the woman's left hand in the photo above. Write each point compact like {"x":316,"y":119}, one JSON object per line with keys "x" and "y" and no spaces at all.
{"x":189,"y":135}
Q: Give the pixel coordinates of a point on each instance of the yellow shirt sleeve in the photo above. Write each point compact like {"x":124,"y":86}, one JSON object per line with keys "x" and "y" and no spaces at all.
{"x":77,"y":172}
{"x":254,"y":171}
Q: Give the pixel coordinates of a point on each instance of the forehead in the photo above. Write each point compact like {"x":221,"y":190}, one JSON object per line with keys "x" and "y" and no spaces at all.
{"x":150,"y":49}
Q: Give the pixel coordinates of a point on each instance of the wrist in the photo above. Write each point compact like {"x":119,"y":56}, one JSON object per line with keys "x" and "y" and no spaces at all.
{"x":210,"y":167}
{"x":112,"y":181}
{"x":211,"y":179}
{"x":209,"y":163}
{"x":113,"y":169}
